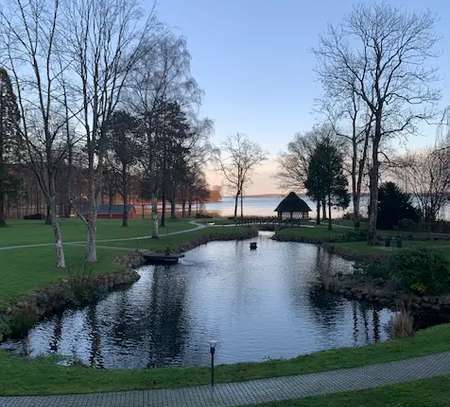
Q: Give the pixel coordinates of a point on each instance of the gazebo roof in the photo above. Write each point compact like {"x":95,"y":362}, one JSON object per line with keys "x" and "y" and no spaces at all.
{"x":292,"y":203}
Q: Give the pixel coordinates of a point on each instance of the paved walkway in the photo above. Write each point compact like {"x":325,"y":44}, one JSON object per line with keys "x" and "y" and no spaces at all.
{"x":197,"y":226}
{"x":254,"y":391}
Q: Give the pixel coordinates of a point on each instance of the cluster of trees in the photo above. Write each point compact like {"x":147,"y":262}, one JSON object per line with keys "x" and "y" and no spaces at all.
{"x":315,"y":162}
{"x":377,"y":83}
{"x":102,"y":89}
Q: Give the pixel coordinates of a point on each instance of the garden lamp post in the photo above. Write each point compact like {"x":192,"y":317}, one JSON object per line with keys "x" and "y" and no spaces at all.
{"x":212,"y":351}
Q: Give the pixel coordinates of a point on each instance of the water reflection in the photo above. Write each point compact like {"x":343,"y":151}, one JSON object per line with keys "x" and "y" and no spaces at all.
{"x":257,"y":304}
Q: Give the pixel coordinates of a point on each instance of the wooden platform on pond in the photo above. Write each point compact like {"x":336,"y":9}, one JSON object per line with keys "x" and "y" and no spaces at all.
{"x":161,"y":258}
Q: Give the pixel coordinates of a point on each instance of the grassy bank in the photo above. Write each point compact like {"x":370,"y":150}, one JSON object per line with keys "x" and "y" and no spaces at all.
{"x":26,"y":269}
{"x":312,"y":234}
{"x":433,"y":392}
{"x":341,"y":240}
{"x":24,"y":232}
{"x":42,"y":376}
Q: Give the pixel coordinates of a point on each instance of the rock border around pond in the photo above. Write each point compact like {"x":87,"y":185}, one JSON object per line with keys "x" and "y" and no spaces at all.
{"x":355,"y":287}
{"x":380,"y":293}
{"x":70,"y":292}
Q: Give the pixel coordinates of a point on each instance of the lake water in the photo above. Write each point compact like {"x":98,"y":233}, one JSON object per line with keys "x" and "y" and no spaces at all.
{"x":265,"y":206}
{"x":257,"y":304}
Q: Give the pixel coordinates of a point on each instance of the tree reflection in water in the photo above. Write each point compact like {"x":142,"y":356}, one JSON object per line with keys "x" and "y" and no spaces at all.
{"x":257,"y":304}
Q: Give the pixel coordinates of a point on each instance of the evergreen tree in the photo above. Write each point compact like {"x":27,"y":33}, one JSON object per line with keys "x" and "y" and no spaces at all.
{"x":325,"y":181}
{"x":9,"y":119}
{"x":122,"y":136}
{"x":393,"y":206}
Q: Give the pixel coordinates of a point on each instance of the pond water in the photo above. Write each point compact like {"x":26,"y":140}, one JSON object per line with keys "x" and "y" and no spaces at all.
{"x":257,"y":304}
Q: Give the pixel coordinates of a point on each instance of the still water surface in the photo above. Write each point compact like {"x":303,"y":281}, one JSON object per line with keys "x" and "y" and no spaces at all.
{"x":257,"y":304}
{"x":265,"y":206}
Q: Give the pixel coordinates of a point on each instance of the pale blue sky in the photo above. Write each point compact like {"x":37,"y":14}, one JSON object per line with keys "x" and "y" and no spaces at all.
{"x":254,"y":62}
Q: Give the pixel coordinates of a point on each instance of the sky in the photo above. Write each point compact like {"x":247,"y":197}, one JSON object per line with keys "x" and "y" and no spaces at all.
{"x":254,"y":61}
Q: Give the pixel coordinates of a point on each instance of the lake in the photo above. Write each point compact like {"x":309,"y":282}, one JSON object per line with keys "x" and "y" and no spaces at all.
{"x":257,"y":304}
{"x":265,"y":206}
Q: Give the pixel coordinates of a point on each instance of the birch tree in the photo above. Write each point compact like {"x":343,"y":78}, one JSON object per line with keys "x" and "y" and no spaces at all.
{"x":161,"y":77}
{"x":105,"y":39}
{"x":31,"y":42}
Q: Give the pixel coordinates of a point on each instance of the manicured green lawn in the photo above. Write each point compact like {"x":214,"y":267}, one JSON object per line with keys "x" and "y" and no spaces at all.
{"x":317,"y":234}
{"x":361,"y":250}
{"x":42,"y":376}
{"x":21,"y":232}
{"x":22,"y":270}
{"x":433,"y":392}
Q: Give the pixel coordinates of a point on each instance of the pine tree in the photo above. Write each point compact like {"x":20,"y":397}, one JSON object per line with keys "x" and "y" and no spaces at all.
{"x":9,"y":122}
{"x":326,"y":181}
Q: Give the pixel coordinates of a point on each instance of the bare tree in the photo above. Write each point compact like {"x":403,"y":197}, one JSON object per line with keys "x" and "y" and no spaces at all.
{"x":353,"y":122}
{"x":383,"y":52}
{"x":30,"y":38}
{"x":106,"y":40}
{"x":426,"y":175}
{"x":237,"y":158}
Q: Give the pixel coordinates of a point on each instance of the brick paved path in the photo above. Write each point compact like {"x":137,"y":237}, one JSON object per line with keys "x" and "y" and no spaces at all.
{"x":254,"y":391}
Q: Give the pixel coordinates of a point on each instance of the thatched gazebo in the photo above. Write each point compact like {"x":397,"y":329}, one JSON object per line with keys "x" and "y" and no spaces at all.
{"x":293,"y":207}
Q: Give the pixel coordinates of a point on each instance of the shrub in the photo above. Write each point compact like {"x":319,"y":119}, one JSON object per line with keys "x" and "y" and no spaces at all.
{"x":407,"y":224}
{"x":375,"y":270}
{"x":421,"y":271}
{"x":355,"y":236}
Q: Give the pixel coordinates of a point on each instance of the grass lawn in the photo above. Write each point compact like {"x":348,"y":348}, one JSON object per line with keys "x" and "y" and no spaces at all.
{"x":21,"y":232}
{"x":23,"y":270}
{"x":317,"y":234}
{"x":433,"y":392}
{"x":42,"y":376}
{"x":361,"y":250}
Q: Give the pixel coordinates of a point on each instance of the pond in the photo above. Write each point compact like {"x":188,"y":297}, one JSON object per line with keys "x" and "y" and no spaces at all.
{"x":257,"y":304}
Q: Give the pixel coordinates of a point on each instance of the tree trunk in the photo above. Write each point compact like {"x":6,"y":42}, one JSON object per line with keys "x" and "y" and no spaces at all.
{"x":329,"y":212}
{"x":2,"y":207}
{"x":110,"y":204}
{"x":236,"y":200}
{"x":173,"y":208}
{"x":242,"y":206}
{"x":183,"y":209}
{"x":163,"y":212}
{"x":373,"y":178}
{"x":190,"y":208}
{"x":125,"y":211}
{"x":155,"y":220}
{"x":48,"y":219}
{"x":318,"y":212}
{"x":324,"y":209}
{"x":356,"y":211}
{"x":125,"y":196}
{"x":91,"y":233}
{"x":59,"y":247}
{"x":2,"y":170}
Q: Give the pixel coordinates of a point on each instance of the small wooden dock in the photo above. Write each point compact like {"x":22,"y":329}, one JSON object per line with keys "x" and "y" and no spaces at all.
{"x":161,"y":258}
